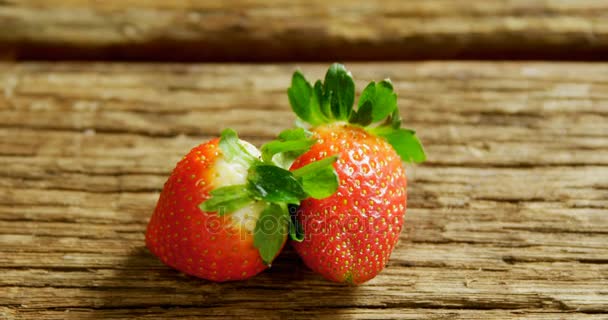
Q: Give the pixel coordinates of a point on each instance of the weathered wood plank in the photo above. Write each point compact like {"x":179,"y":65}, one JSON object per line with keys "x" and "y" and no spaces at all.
{"x":507,"y":220}
{"x":253,"y":313}
{"x":303,"y":30}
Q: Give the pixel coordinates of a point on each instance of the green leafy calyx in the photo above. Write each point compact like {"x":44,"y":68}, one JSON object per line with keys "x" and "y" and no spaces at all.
{"x":333,"y":100}
{"x":287,"y":147}
{"x":276,"y":187}
{"x":270,"y":231}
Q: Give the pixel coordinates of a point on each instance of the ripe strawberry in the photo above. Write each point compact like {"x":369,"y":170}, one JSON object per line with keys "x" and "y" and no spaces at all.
{"x":242,"y":221}
{"x":349,"y":236}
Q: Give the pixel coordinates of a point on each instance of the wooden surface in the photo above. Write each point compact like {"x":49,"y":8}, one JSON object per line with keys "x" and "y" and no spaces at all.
{"x":258,"y":30}
{"x":507,"y":220}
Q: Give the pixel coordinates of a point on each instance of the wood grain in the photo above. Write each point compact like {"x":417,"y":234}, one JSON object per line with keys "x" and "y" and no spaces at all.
{"x":507,"y":220}
{"x":314,"y":30}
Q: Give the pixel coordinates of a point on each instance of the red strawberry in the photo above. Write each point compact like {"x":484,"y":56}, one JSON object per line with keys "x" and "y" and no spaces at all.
{"x":222,"y":214}
{"x":349,"y":236}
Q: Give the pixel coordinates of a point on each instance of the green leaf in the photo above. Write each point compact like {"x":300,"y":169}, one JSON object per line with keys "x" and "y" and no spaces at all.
{"x":368,"y":93}
{"x":300,"y":94}
{"x":294,"y":148}
{"x":382,"y":98}
{"x":232,"y":149}
{"x":295,"y":134}
{"x":270,"y":231}
{"x":321,"y":184}
{"x":405,"y":142}
{"x":227,"y":199}
{"x":339,"y":89}
{"x":322,"y":102}
{"x":315,"y":166}
{"x":319,"y":179}
{"x":307,"y":102}
{"x":290,"y":145}
{"x":363,"y":116}
{"x":395,"y":119}
{"x":274,"y":184}
{"x":296,"y":231}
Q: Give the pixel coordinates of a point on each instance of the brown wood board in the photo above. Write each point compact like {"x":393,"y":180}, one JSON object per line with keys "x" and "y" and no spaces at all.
{"x":314,"y":30}
{"x":507,"y":220}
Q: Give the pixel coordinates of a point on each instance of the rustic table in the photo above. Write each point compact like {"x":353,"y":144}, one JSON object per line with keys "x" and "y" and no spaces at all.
{"x":507,"y":220}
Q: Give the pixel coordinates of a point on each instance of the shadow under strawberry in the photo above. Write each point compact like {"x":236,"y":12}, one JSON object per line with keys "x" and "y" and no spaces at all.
{"x":142,"y":286}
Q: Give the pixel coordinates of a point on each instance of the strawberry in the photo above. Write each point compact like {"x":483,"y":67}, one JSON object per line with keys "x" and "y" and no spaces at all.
{"x":349,"y":236}
{"x":223,"y":213}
